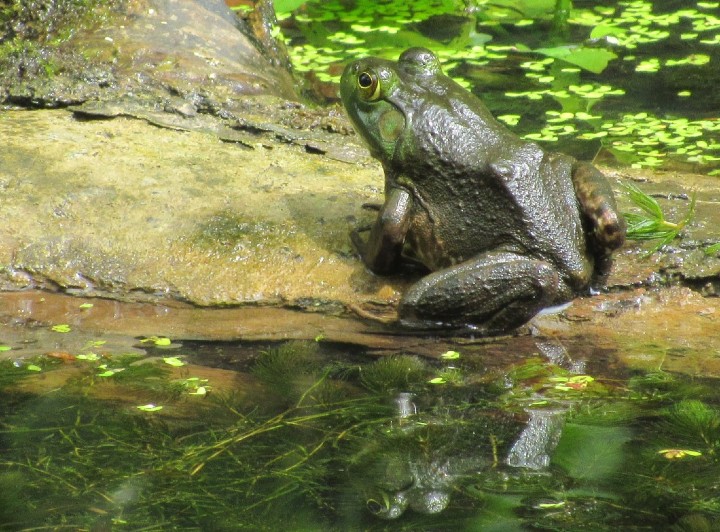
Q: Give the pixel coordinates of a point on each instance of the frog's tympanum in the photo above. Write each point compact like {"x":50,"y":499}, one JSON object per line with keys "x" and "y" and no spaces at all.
{"x":505,"y":228}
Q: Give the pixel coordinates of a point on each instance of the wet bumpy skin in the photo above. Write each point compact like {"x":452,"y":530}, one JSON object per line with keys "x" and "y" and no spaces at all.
{"x":504,"y":227}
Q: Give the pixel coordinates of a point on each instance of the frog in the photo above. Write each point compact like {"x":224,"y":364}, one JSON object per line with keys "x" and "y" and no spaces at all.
{"x":501,"y":227}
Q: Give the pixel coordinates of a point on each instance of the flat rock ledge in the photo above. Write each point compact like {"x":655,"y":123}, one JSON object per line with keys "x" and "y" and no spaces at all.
{"x":123,"y":209}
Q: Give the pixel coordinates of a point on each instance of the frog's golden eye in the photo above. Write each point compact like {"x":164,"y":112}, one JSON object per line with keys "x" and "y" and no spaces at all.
{"x":369,"y":85}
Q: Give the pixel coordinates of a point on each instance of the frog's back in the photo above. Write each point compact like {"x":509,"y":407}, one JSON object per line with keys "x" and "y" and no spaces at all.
{"x":483,"y":188}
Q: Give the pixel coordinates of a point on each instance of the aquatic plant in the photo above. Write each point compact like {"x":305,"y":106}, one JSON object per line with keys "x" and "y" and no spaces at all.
{"x":695,"y":423}
{"x":651,"y":224}
{"x":394,"y":373}
{"x":247,"y":458}
{"x":295,"y":372}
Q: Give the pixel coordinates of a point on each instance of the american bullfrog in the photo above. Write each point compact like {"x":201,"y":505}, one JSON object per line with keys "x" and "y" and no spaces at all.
{"x":504,"y":228}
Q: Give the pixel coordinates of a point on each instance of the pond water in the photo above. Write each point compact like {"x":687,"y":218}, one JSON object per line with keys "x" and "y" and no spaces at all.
{"x":629,"y":82}
{"x":105,"y":431}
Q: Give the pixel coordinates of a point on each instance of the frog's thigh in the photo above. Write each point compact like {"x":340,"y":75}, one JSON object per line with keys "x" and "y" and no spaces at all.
{"x":498,"y":291}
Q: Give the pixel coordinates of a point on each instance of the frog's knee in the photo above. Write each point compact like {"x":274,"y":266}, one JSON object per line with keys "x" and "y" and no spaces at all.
{"x":545,"y":279}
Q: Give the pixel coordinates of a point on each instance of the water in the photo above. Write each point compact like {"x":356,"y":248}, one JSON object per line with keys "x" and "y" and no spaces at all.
{"x":113,"y":432}
{"x":624,"y":83}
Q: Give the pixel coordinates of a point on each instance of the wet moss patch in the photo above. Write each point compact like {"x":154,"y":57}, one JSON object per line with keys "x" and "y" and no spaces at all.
{"x":241,"y":237}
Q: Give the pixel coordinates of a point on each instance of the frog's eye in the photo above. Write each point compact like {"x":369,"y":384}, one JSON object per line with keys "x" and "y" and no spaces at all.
{"x":369,"y":85}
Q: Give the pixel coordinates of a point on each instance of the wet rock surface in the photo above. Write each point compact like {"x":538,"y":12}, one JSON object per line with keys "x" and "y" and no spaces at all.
{"x":124,"y":209}
{"x":182,"y":234}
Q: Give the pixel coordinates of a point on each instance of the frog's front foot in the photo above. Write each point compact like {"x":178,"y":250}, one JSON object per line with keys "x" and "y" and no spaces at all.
{"x":493,"y":293}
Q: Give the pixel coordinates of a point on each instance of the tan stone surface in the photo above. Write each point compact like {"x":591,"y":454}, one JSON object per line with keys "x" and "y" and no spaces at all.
{"x":120,"y":207}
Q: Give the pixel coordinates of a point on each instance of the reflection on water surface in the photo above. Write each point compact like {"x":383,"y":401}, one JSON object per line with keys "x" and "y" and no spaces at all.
{"x":314,"y":435}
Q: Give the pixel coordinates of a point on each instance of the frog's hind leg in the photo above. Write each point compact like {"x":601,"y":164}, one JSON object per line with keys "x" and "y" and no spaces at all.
{"x":495,"y":292}
{"x":600,"y":214}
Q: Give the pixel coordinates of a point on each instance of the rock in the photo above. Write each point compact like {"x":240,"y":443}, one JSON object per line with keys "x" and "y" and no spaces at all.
{"x":227,"y":192}
{"x":149,"y":50}
{"x":685,"y":259}
{"x":125,"y":209}
{"x":120,"y":208}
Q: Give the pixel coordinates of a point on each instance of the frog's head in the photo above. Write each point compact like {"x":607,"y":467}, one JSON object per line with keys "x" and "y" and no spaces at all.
{"x":379,"y":96}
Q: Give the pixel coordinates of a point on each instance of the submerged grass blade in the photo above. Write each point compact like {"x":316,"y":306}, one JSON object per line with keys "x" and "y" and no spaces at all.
{"x":712,"y":250}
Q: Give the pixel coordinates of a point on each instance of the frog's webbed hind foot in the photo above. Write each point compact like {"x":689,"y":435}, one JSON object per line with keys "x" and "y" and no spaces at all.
{"x":493,"y":293}
{"x":366,"y":314}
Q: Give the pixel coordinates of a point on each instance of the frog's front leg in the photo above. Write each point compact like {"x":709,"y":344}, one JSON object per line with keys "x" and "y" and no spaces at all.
{"x":495,"y":292}
{"x":383,"y":250}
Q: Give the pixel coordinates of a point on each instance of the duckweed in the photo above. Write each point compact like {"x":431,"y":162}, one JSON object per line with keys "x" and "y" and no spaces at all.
{"x":563,"y":78}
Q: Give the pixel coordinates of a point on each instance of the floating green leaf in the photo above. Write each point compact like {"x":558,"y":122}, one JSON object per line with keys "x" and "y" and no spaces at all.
{"x":85,"y":306}
{"x":173,"y":361}
{"x":108,"y":372}
{"x":4,"y":348}
{"x":510,"y":120}
{"x":649,"y":65}
{"x":160,"y":341}
{"x":287,"y":6}
{"x":450,"y":355}
{"x":604,"y":30}
{"x":61,"y":328}
{"x":150,"y":407}
{"x":675,"y":454}
{"x":33,"y":367}
{"x":95,"y":343}
{"x":594,"y":60}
